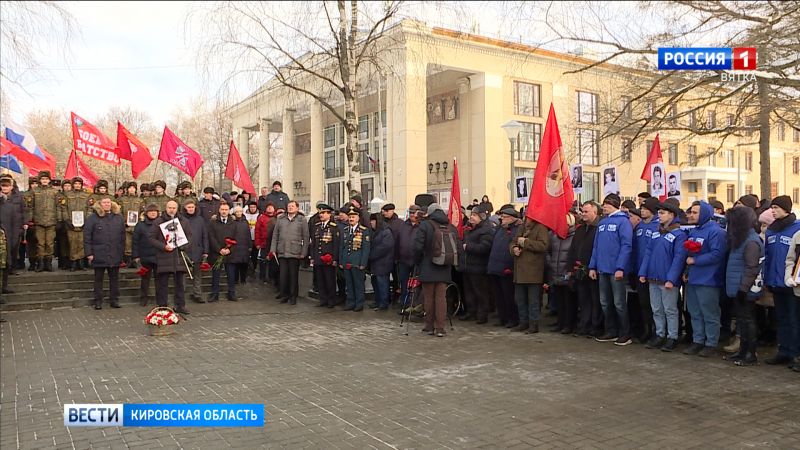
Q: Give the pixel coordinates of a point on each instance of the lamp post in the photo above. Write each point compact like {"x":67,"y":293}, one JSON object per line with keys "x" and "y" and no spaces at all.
{"x":512,"y":129}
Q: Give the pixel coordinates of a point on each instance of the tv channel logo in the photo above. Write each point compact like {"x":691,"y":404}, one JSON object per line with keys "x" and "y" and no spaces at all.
{"x":93,"y":415}
{"x":707,"y":58}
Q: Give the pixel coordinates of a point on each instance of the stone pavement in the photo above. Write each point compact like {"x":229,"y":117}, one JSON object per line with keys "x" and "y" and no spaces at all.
{"x":333,"y":379}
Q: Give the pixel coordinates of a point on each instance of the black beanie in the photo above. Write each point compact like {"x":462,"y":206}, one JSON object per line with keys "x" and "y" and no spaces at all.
{"x":613,"y":200}
{"x":749,"y":200}
{"x":783,"y":202}
{"x":651,"y":204}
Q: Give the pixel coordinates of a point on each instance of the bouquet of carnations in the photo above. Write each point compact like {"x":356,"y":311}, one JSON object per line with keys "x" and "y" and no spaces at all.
{"x":580,"y":270}
{"x":162,"y":316}
{"x":326,"y":259}
{"x":693,"y":247}
{"x":218,"y":264}
{"x":143,"y":271}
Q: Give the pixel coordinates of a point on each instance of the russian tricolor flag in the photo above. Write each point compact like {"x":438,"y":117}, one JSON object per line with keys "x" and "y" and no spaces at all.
{"x":21,"y":137}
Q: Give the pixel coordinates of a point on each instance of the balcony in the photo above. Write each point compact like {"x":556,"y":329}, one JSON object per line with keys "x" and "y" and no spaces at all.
{"x":334,"y":172}
{"x":710,"y":173}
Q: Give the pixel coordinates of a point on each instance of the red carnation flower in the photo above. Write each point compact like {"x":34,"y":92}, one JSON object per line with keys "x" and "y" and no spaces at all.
{"x":230,"y":242}
{"x":326,"y":259}
{"x":507,"y":272}
{"x":205,"y":267}
{"x":348,"y":266}
{"x":692,"y":246}
{"x":142,"y":271}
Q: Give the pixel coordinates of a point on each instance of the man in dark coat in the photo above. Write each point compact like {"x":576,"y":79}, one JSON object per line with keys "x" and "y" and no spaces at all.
{"x":169,"y":257}
{"x":477,"y":245}
{"x":434,"y":278}
{"x":381,"y":261}
{"x":325,"y":240}
{"x":12,"y":212}
{"x":104,"y":244}
{"x":208,"y":205}
{"x":198,"y":247}
{"x":143,"y":252}
{"x":500,"y":267}
{"x":590,"y":320}
{"x":277,"y":197}
{"x":221,"y":233}
{"x":405,"y":251}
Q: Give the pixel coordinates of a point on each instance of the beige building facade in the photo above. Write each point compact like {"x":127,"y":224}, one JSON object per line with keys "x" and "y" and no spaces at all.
{"x":447,"y":94}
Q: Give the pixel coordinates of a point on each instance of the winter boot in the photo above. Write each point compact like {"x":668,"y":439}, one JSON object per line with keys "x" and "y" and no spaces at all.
{"x":48,"y":264}
{"x":534,"y":328}
{"x":38,"y":264}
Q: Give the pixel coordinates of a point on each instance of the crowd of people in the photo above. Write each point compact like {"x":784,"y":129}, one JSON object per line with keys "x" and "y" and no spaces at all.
{"x":649,"y":271}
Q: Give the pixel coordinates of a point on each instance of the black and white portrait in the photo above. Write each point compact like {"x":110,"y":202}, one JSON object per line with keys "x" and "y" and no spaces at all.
{"x":521,"y":184}
{"x":657,"y":187}
{"x":674,"y":185}
{"x":610,"y":181}
{"x":576,"y":173}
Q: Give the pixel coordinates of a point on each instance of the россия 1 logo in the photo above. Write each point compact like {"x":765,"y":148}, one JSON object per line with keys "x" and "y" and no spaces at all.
{"x":710,"y":58}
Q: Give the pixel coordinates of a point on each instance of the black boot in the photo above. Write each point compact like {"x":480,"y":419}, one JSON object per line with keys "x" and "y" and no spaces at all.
{"x":48,"y":264}
{"x":71,"y":266}
{"x":38,"y":265}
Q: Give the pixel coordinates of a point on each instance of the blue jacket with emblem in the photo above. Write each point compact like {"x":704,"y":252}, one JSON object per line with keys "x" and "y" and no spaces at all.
{"x":778,"y":238}
{"x":665,"y":257}
{"x":642,"y":235}
{"x":613,"y":244}
{"x":709,"y":264}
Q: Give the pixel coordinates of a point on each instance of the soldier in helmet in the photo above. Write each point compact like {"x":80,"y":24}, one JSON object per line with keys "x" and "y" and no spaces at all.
{"x":160,"y":198}
{"x":132,"y":208}
{"x":185,"y":193}
{"x":100,"y":192}
{"x":74,"y":212}
{"x":42,"y":211}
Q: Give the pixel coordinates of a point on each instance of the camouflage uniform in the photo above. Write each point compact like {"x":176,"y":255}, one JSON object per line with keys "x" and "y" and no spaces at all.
{"x":42,"y":207}
{"x":96,"y":197}
{"x":76,"y":201}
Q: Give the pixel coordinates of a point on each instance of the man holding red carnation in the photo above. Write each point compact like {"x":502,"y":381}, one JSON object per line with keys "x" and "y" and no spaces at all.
{"x":325,"y":242}
{"x":229,"y":244}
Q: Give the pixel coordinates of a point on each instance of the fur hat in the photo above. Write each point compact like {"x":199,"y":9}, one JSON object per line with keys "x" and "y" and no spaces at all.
{"x":208,"y":190}
{"x":43,"y":174}
{"x":101,"y":183}
{"x":161,"y":183}
{"x":151,"y":207}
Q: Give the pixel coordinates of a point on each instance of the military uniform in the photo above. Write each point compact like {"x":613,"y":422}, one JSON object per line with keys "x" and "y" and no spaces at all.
{"x":76,"y":204}
{"x":325,"y":247}
{"x":96,"y":196}
{"x":61,"y":243}
{"x":354,"y":256}
{"x":42,"y":206}
{"x":181,"y":199}
{"x":130,"y":204}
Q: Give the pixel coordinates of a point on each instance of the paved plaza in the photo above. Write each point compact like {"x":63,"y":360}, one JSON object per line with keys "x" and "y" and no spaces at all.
{"x":333,"y":379}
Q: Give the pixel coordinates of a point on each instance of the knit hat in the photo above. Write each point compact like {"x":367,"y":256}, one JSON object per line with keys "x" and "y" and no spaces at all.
{"x":783,"y":202}
{"x":651,"y":204}
{"x":277,"y":183}
{"x":613,"y":200}
{"x":766,"y":217}
{"x":716,"y":204}
{"x":635,"y":211}
{"x":189,"y":201}
{"x":749,"y":200}
{"x":630,"y":204}
{"x":479,"y":210}
{"x":433,"y":207}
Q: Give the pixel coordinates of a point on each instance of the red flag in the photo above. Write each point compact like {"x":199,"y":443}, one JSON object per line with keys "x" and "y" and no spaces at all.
{"x":654,"y":158}
{"x":31,"y":161}
{"x":236,"y":171}
{"x":131,"y":148}
{"x":91,"y":141}
{"x":551,"y":196}
{"x":174,"y":151}
{"x":454,"y":210}
{"x":78,"y":168}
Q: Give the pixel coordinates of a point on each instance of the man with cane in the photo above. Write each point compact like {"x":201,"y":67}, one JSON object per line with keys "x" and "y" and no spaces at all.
{"x":169,"y":236}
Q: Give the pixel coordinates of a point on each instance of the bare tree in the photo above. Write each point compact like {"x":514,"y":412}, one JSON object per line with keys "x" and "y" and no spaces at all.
{"x":691,"y":103}
{"x":310,"y":48}
{"x":52,"y":130}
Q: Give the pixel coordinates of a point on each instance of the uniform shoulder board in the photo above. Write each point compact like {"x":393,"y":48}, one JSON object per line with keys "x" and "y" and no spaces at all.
{"x":362,"y":227}
{"x":331,"y":224}
{"x":62,"y":200}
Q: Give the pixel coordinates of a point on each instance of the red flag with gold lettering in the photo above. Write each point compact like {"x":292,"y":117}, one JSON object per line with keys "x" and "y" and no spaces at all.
{"x":89,"y":140}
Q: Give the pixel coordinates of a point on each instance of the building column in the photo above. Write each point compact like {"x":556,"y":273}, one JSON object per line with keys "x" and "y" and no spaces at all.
{"x":263,"y":155}
{"x":465,"y":123}
{"x":288,"y":153}
{"x":316,"y":179}
{"x":490,"y":155}
{"x":408,"y":133}
{"x":244,"y":146}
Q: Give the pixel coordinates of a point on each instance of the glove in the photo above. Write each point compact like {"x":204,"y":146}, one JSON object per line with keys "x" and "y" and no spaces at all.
{"x":790,"y":281}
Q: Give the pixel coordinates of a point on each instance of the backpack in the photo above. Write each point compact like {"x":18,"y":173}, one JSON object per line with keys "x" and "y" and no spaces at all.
{"x":445,"y":245}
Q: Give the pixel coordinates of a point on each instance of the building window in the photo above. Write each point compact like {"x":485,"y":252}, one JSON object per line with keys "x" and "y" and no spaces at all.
{"x":591,"y":186}
{"x":378,"y":118}
{"x":731,"y":120}
{"x":731,"y":192}
{"x":729,"y":158}
{"x":528,"y":142}
{"x":332,"y":169}
{"x":342,"y":134}
{"x":712,"y":157}
{"x":796,"y":165}
{"x":588,"y":151}
{"x":587,"y":107}
{"x":796,"y":195}
{"x":673,"y":154}
{"x":527,"y":99}
{"x":692,"y":155}
{"x":625,"y":107}
{"x":692,"y":186}
{"x":712,"y":188}
{"x":773,"y":189}
{"x":692,"y":119}
{"x":795,"y":135}
{"x":649,"y":109}
{"x":781,"y":131}
{"x":711,"y":120}
{"x":748,"y":161}
{"x":367,"y":189}
{"x":363,"y":127}
{"x":329,"y":136}
{"x":672,"y":113}
{"x":334,"y":194}
{"x":748,"y":189}
{"x":626,"y":150}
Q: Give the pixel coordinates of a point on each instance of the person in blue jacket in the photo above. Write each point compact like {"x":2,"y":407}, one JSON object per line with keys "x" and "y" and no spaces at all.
{"x":610,"y":258}
{"x":381,"y":261}
{"x":661,"y":268}
{"x":501,"y":267}
{"x":705,"y":279}
{"x":778,"y":238}
{"x":642,"y":236}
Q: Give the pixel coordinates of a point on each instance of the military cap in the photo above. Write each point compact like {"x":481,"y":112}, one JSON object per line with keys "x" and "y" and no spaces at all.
{"x":388,"y":207}
{"x":129,"y":184}
{"x":324,"y":207}
{"x":32,"y":180}
{"x":43,"y":174}
{"x":161,"y":183}
{"x":352,"y":210}
{"x":77,"y":180}
{"x":146,"y":187}
{"x":55,"y":182}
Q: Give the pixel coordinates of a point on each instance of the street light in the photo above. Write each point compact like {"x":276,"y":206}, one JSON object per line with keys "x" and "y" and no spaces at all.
{"x":512,"y":129}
